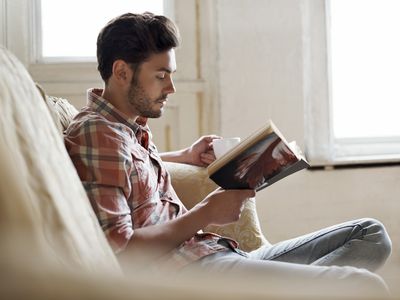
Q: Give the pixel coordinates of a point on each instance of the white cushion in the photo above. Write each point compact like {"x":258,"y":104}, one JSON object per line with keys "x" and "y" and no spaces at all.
{"x":42,"y":198}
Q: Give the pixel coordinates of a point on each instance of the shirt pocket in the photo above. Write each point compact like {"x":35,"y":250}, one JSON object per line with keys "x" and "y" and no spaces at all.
{"x":144,"y":179}
{"x":171,"y":198}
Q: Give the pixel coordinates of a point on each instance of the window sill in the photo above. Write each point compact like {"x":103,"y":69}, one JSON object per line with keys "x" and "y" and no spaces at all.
{"x":358,"y":162}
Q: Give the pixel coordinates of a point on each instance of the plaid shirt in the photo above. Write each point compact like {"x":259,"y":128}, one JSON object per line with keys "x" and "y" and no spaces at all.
{"x":126,"y":180}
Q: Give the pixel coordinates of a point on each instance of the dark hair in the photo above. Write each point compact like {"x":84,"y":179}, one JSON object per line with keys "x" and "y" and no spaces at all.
{"x":134,"y":38}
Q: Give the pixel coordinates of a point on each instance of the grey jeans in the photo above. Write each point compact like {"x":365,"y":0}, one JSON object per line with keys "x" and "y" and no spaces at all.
{"x":341,"y":253}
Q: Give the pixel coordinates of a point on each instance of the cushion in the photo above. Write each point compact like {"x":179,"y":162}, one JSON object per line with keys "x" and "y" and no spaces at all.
{"x":62,"y":110}
{"x":42,"y":198}
{"x":192,"y":185}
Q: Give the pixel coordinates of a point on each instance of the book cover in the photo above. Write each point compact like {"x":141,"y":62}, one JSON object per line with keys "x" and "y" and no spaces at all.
{"x":262,"y":159}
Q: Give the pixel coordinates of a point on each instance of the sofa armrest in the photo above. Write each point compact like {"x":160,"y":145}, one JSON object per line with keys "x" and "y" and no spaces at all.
{"x":192,"y":185}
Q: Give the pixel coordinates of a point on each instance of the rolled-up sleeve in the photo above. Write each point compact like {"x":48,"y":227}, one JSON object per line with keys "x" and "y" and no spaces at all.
{"x":103,"y":161}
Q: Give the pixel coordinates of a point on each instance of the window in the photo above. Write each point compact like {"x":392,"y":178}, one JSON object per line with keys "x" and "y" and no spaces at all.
{"x":71,"y":35}
{"x":354,"y":116}
{"x":365,"y":69}
{"x":69,"y":77}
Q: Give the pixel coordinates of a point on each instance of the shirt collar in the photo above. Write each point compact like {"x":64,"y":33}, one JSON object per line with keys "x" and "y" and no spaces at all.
{"x":110,"y":112}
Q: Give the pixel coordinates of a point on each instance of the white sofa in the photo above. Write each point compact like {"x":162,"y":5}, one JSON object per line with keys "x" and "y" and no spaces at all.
{"x":52,"y":246}
{"x":47,"y":224}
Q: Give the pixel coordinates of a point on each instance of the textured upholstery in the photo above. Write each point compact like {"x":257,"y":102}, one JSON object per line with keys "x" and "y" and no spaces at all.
{"x":62,"y":111}
{"x":41,"y":193}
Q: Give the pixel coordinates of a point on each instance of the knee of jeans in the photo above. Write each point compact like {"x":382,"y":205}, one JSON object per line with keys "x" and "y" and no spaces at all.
{"x":376,"y":232}
{"x":375,"y":282}
{"x":368,"y":280}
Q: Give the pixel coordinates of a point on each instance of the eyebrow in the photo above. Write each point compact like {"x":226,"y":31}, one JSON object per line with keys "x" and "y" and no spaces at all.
{"x":169,"y":71}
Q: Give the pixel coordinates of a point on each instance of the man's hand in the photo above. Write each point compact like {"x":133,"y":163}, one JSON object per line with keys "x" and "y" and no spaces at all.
{"x":224,"y":206}
{"x":201,"y":152}
{"x":218,"y":208}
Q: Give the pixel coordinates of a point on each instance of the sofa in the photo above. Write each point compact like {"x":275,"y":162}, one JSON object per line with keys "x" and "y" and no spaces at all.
{"x":52,"y":246}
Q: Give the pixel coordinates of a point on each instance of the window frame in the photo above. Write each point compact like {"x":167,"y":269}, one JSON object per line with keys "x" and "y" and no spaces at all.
{"x":322,"y":148}
{"x":37,"y":37}
{"x":3,"y":17}
{"x":196,"y":82}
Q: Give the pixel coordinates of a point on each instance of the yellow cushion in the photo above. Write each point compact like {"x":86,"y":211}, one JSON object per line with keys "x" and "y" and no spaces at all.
{"x":192,"y":185}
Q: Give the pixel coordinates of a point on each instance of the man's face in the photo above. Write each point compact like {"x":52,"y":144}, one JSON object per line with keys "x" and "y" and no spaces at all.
{"x":151,"y":85}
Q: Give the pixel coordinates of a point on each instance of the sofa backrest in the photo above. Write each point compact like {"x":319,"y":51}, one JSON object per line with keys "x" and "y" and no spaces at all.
{"x":42,"y":198}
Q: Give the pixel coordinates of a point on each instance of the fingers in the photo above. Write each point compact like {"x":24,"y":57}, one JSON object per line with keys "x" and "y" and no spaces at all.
{"x":207,"y":157}
{"x":246,"y":193}
{"x":225,"y":206}
{"x":211,"y":137}
{"x":252,"y":193}
{"x":238,"y":194}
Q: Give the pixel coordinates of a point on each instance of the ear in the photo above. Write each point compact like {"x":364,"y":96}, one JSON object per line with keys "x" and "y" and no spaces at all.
{"x":122,"y":72}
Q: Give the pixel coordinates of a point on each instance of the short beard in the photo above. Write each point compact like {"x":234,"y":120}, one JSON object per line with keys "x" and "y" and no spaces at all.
{"x":139,"y":100}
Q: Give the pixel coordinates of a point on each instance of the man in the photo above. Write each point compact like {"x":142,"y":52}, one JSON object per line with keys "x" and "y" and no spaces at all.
{"x":130,"y":189}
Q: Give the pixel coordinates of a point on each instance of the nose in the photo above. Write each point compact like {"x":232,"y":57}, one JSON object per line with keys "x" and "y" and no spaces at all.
{"x":170,"y":88}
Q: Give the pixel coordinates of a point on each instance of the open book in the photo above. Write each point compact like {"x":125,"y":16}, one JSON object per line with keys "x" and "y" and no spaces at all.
{"x":258,"y":161}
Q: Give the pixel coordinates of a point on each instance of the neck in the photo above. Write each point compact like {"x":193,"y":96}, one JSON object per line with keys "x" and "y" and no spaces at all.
{"x":119,"y":101}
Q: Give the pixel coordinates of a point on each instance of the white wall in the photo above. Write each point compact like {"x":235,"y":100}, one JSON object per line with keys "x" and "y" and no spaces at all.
{"x":260,"y":57}
{"x":262,"y":76}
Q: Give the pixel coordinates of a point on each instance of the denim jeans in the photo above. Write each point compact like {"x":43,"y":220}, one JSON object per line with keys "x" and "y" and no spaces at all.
{"x":342,"y":252}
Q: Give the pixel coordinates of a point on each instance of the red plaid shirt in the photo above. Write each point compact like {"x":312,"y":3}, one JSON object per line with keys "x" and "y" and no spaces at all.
{"x":126,"y":180}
